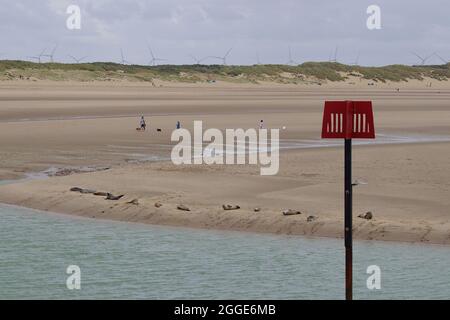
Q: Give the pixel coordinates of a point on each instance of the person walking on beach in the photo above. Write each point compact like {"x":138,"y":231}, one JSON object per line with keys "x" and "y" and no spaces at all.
{"x":261,"y":124}
{"x":178,"y":125}
{"x":142,"y":123}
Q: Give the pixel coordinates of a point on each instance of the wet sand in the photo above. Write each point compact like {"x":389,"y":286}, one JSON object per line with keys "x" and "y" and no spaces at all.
{"x":45,"y":126}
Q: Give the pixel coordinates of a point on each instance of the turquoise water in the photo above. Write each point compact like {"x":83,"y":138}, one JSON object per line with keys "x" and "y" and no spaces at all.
{"x":132,"y":261}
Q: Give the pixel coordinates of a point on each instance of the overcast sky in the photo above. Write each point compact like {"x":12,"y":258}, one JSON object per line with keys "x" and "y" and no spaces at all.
{"x":177,"y":28}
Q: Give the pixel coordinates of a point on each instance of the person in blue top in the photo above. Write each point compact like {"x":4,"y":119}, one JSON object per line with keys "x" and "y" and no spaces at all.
{"x":142,"y":123}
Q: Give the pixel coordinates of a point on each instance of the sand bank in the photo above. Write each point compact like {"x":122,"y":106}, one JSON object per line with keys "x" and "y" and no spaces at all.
{"x":69,"y":126}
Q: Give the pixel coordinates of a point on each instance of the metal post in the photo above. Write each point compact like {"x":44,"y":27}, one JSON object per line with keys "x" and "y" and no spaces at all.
{"x":348,"y":221}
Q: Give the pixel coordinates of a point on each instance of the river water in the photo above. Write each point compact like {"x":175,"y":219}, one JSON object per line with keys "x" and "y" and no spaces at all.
{"x":133,"y":261}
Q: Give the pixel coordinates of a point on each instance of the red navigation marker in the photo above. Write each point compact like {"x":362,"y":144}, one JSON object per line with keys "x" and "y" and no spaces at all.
{"x":348,"y":120}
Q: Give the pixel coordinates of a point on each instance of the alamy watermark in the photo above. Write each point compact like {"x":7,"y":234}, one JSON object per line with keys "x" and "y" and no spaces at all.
{"x":374,"y":20}
{"x":241,"y":146}
{"x":73,"y":281}
{"x":73,"y":22}
{"x":374,"y":280}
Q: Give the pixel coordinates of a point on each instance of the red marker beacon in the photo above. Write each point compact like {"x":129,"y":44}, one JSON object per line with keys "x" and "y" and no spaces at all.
{"x":348,"y":120}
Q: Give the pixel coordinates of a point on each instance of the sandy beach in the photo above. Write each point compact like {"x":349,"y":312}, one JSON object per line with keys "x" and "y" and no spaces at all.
{"x":68,"y":128}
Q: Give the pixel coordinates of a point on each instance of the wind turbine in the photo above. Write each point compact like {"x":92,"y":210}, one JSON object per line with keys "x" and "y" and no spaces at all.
{"x":39,"y":56}
{"x":356,"y":63}
{"x":154,"y":59}
{"x":443,"y":60}
{"x":258,"y":62}
{"x":224,"y":58}
{"x":198,"y":61}
{"x":123,"y":61}
{"x":335,"y":55}
{"x":423,"y":60}
{"x":77,"y":60}
{"x":290,"y":61}
{"x":51,"y":55}
{"x":53,"y":52}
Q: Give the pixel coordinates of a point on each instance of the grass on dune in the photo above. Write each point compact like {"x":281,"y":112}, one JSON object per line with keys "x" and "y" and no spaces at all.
{"x":320,"y":71}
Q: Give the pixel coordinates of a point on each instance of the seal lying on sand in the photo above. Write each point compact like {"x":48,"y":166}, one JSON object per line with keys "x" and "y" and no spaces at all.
{"x":291,"y":212}
{"x":230,"y":207}
{"x":110,"y":196}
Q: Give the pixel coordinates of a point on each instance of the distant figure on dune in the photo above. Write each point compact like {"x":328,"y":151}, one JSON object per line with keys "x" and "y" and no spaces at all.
{"x":261,"y":124}
{"x":142,"y":123}
{"x":178,"y":124}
